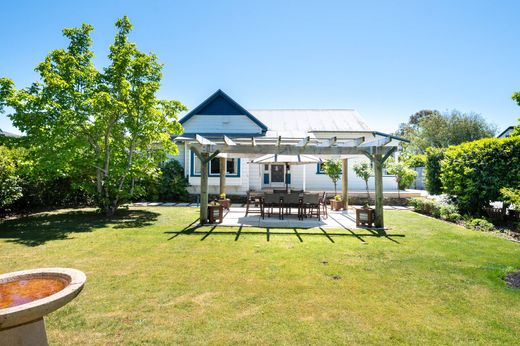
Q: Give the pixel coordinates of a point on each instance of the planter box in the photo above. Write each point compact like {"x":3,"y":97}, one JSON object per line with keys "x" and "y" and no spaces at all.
{"x":336,"y":205}
{"x":225,"y":203}
{"x":365,"y":217}
{"x":215,"y":213}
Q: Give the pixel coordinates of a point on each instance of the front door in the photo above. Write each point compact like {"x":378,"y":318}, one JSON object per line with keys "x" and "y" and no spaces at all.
{"x":277,"y":175}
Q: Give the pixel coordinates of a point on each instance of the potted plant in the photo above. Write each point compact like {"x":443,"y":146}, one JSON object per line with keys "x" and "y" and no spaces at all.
{"x":225,"y":202}
{"x":365,"y":216}
{"x":215,"y":212}
{"x":336,"y":203}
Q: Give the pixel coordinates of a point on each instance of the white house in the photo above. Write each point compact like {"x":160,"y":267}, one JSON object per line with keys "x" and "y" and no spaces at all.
{"x":220,"y":115}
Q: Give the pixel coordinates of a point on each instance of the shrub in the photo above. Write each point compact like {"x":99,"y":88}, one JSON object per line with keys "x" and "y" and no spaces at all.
{"x":10,"y":189}
{"x":166,"y":184}
{"x":432,"y":170}
{"x":417,"y":160}
{"x":425,"y":206}
{"x":473,"y":173}
{"x":480,"y":225}
{"x":404,"y":176}
{"x":511,"y":196}
{"x":449,"y":212}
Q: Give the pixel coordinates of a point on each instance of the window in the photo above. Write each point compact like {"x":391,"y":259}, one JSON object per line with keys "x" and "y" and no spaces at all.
{"x":320,"y":168}
{"x":232,"y":166}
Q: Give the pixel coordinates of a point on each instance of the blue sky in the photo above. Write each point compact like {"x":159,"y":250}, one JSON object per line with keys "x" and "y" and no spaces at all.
{"x":387,"y":59}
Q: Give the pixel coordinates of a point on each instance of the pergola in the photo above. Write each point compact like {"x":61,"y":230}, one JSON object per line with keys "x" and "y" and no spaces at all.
{"x":376,"y":146}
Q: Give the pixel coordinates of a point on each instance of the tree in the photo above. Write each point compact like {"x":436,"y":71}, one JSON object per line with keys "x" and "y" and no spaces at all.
{"x":333,"y":169}
{"x":364,"y":171}
{"x":404,"y":175}
{"x":427,"y":129}
{"x":10,"y":189}
{"x":516,"y":130}
{"x":103,"y":128}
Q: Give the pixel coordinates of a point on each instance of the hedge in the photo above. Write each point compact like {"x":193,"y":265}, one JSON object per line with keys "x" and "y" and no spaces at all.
{"x":473,"y":173}
{"x":432,"y":171}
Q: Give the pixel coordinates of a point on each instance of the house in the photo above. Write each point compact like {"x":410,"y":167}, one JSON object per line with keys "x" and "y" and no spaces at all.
{"x":221,"y":115}
{"x":506,"y":132}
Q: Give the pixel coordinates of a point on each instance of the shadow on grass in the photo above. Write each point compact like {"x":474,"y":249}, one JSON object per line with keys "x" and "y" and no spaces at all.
{"x":37,"y":229}
{"x":193,"y":230}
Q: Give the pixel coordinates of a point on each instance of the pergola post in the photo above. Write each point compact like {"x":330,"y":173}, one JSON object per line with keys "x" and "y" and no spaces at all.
{"x":223,"y":175}
{"x":344,"y":182}
{"x":204,"y":188}
{"x":378,"y":175}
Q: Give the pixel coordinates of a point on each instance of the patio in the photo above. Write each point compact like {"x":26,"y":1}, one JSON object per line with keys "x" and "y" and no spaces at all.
{"x":235,"y":216}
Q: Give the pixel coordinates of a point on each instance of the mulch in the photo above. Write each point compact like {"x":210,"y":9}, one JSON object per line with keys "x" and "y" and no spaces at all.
{"x":513,"y":279}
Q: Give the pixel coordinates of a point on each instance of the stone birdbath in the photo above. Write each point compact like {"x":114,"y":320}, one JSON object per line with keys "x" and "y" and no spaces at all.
{"x":26,"y":296}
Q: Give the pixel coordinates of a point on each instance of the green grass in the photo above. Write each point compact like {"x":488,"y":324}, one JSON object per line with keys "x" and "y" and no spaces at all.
{"x":426,"y":282}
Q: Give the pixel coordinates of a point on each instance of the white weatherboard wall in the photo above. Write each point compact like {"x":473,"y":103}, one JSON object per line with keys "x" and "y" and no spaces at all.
{"x":229,"y":124}
{"x":322,"y":182}
{"x":234,"y":185}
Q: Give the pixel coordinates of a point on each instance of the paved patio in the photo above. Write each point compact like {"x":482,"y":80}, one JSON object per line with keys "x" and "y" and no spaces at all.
{"x":336,"y":219}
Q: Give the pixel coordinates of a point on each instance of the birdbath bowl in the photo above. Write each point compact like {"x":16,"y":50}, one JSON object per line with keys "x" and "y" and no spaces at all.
{"x":28,"y":295}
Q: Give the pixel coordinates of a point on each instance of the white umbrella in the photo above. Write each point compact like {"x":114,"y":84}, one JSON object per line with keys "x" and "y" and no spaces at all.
{"x":288,"y":159}
{"x":291,"y":159}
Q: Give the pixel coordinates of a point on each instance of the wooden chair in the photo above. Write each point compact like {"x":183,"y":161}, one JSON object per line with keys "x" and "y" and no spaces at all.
{"x":311,"y":205}
{"x":323,"y":204}
{"x":273,"y":201}
{"x":254,"y":204}
{"x":292,"y":200}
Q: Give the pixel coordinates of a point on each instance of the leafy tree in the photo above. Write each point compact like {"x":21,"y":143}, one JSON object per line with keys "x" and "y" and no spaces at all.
{"x":404,"y":175}
{"x":364,"y":171}
{"x":10,"y":189}
{"x":427,"y":129}
{"x":333,"y":169}
{"x":516,"y":131}
{"x":105,"y":129}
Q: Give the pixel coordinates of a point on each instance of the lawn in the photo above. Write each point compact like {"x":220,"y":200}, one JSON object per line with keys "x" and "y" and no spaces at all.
{"x":150,"y":282}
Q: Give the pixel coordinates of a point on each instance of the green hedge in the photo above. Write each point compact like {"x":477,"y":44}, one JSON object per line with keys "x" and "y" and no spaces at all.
{"x":432,"y":171}
{"x":473,"y":173}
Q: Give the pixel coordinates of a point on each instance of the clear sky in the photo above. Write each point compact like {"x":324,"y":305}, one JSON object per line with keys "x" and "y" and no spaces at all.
{"x":387,"y":59}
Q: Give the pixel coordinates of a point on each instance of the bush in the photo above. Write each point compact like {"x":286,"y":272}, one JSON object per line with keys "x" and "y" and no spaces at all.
{"x":425,"y":206}
{"x":449,"y":212}
{"x":10,"y":189}
{"x":404,"y":176}
{"x":167,"y":184}
{"x":431,"y":207}
{"x":511,"y":196}
{"x":473,"y":173}
{"x":415,"y":161}
{"x":432,"y":171}
{"x":480,"y":225}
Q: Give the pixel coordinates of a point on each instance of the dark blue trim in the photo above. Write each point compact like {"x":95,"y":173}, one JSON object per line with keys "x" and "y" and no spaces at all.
{"x":318,"y":171}
{"x":288,"y":178}
{"x":192,"y":168}
{"x":266,"y":178}
{"x":212,"y":98}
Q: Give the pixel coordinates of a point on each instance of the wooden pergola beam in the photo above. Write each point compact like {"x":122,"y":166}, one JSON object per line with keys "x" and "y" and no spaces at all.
{"x":228,"y":141}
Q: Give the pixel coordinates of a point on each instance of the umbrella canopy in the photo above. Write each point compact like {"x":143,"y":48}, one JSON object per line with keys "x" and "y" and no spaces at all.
{"x":292,"y":159}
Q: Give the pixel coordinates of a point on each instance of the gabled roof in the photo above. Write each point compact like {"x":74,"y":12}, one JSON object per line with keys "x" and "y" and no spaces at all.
{"x":221,"y":104}
{"x":506,"y":132}
{"x":298,"y":122}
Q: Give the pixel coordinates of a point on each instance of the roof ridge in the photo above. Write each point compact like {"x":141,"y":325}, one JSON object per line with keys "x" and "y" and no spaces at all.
{"x":301,"y":109}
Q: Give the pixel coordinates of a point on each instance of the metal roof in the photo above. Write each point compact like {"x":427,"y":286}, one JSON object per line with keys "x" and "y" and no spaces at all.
{"x":298,"y":122}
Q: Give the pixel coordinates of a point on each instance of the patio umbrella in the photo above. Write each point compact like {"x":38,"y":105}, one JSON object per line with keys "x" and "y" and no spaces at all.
{"x":291,"y":159}
{"x":288,"y":159}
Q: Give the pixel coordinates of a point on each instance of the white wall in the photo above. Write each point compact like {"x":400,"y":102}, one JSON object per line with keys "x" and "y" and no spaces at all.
{"x":221,"y":124}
